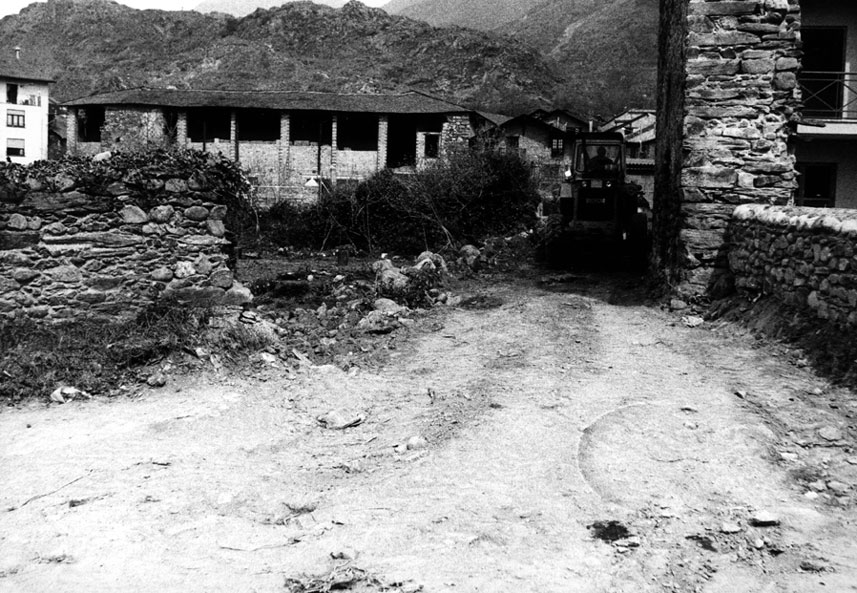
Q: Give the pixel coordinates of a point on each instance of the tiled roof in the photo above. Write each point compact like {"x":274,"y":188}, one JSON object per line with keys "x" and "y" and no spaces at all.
{"x":16,"y":71}
{"x":401,"y":103}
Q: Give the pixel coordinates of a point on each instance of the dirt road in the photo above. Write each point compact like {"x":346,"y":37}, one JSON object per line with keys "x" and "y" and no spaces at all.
{"x":489,"y":454}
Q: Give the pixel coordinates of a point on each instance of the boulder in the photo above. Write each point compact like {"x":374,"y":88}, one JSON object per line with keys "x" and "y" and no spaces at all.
{"x":388,"y":306}
{"x":391,"y":281}
{"x":238,"y":294}
{"x":471,"y":257}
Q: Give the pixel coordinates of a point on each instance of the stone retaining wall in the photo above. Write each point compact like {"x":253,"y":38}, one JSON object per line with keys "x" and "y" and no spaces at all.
{"x":805,"y":257}
{"x":109,"y":238}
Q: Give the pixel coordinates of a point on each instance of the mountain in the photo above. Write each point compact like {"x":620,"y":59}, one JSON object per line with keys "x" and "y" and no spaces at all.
{"x":484,"y":15}
{"x":97,"y":45}
{"x":606,"y":50}
{"x":245,"y":7}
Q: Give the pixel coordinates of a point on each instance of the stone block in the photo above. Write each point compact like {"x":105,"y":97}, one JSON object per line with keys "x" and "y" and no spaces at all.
{"x":133,"y":215}
{"x":24,"y":275}
{"x":196,"y":213}
{"x":238,"y":294}
{"x":175,"y":186}
{"x":722,"y":38}
{"x":222,"y":279}
{"x":18,"y":240}
{"x":215,"y":227}
{"x":714,"y":177}
{"x":785,"y":81}
{"x":161,"y":214}
{"x":757,"y":66}
{"x":65,"y":274}
{"x":218,"y":212}
{"x":17,"y":222}
{"x":725,"y":8}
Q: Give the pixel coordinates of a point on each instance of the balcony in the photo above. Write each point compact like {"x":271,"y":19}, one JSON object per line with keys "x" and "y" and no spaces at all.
{"x":829,"y":103}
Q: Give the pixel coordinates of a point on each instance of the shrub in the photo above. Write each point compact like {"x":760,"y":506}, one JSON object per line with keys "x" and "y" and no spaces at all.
{"x":463,"y":198}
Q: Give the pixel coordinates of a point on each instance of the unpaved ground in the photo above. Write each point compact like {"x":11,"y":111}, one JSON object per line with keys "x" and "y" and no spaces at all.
{"x":565,"y":405}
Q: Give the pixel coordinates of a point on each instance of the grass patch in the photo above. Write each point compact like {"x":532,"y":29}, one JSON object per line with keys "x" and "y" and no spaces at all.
{"x":36,"y":358}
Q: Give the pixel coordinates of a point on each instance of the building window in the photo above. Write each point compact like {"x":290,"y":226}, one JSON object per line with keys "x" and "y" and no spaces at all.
{"x":816,"y":185}
{"x":557,"y":147}
{"x":14,"y":147}
{"x":15,"y":119}
{"x":206,"y":124}
{"x":356,"y":131}
{"x":12,"y":93}
{"x":258,"y":125}
{"x":432,"y":150}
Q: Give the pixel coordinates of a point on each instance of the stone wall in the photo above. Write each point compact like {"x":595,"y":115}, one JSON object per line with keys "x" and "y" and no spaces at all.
{"x":456,"y":133}
{"x":106,"y":239}
{"x":134,"y":129}
{"x":739,"y":88}
{"x":804,"y":257}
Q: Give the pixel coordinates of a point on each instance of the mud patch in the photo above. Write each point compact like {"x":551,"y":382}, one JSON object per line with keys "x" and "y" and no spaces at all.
{"x":609,"y":531}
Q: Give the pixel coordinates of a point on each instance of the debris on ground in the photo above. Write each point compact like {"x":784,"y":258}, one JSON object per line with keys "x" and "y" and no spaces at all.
{"x":340,"y":419}
{"x":609,"y":531}
{"x":346,"y":577}
{"x":692,"y":320}
{"x":66,"y":393}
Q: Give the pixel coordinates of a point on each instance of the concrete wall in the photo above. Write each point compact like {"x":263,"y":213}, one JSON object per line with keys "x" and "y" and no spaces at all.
{"x":805,"y":257}
{"x":733,"y":87}
{"x":85,"y":240}
{"x":33,"y":100}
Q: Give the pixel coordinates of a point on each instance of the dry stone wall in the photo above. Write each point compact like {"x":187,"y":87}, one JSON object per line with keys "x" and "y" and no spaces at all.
{"x":107,"y":239}
{"x":805,"y":257}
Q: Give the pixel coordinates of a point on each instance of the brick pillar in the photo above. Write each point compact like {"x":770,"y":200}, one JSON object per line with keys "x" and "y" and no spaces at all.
{"x":181,"y":129}
{"x":726,"y":92}
{"x":333,"y":145}
{"x":284,"y":154}
{"x":383,"y":128}
{"x":71,"y":132}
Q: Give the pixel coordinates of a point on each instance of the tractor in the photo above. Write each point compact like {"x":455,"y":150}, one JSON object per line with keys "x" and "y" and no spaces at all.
{"x":599,"y":212}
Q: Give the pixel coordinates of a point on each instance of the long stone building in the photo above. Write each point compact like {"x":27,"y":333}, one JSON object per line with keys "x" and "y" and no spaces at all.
{"x":294,"y":144}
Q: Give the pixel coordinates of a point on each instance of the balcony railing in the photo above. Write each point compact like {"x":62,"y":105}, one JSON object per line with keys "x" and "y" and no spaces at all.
{"x":829,"y":95}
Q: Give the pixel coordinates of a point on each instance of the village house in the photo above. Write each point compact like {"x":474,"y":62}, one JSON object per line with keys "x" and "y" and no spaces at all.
{"x":637,"y":126}
{"x":24,"y":97}
{"x":826,"y":141}
{"x":294,"y":144}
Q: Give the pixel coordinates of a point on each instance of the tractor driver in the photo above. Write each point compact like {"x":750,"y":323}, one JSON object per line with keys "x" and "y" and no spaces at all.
{"x":601,"y":162}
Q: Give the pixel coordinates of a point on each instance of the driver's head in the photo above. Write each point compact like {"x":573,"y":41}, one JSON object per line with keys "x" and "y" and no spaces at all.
{"x":602,"y":151}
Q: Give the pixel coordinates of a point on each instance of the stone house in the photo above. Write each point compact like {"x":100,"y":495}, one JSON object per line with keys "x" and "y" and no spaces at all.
{"x":826,"y":140}
{"x":535,"y":140}
{"x":294,"y":144}
{"x":24,"y":100}
{"x":561,"y":119}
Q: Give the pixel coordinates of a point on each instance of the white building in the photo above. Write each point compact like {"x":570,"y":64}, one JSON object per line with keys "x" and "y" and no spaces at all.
{"x":826,"y":142}
{"x":24,"y":101}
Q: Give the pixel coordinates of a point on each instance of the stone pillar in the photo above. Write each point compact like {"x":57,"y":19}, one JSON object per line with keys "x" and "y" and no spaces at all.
{"x":181,"y":129}
{"x":727,"y":91}
{"x":455,"y":134}
{"x":333,"y":144}
{"x":71,"y":131}
{"x":383,"y":130}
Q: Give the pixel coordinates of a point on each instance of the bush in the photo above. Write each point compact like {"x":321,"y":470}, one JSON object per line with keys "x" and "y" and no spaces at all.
{"x":464,"y":198}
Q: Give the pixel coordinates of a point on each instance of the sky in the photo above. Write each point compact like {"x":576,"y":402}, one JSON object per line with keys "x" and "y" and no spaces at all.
{"x":14,"y":6}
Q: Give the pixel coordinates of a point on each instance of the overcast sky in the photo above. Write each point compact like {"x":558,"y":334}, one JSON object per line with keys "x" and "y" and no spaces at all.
{"x":14,"y":6}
